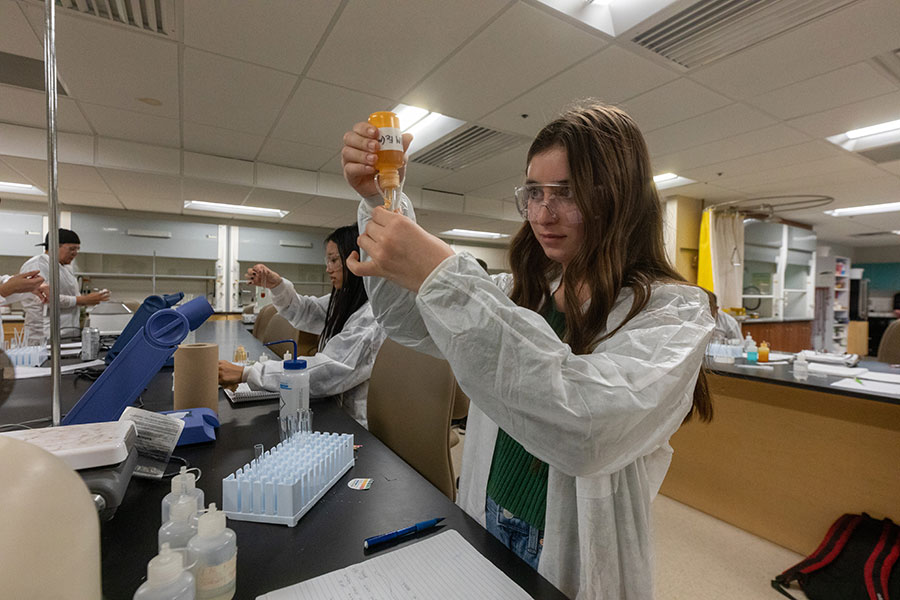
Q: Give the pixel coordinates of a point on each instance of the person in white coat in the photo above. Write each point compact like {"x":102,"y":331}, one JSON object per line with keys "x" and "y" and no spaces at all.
{"x":580,"y":365}
{"x":349,"y":337}
{"x":37,"y":317}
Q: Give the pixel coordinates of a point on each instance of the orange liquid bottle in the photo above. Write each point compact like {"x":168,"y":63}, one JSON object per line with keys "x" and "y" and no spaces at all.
{"x":390,"y":157}
{"x":764,"y":352}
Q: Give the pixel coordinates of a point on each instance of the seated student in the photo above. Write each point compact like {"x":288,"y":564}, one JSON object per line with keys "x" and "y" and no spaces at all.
{"x":580,"y":365}
{"x":727,"y":327}
{"x":349,"y":337}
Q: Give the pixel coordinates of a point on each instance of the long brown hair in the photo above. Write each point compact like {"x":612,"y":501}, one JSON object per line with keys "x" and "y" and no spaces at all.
{"x":612,"y":181}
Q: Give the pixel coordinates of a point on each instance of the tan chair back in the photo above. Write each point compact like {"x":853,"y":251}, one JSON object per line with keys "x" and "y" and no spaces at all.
{"x":408,"y":407}
{"x":279,"y":328}
{"x":889,"y":348}
{"x":460,"y":404}
{"x":307,"y":343}
{"x":262,"y":319}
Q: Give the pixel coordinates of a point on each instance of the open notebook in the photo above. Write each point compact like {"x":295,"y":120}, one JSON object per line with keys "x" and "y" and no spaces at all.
{"x":442,"y":567}
{"x":243,"y":393}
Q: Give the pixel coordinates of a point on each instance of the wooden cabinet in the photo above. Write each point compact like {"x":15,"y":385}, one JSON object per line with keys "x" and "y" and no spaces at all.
{"x":786,"y":336}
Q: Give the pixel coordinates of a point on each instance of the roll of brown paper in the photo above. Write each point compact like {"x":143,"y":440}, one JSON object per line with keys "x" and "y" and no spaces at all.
{"x":197,"y":376}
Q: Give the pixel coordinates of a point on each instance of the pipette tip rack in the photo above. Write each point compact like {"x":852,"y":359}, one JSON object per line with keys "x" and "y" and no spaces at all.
{"x":286,"y":481}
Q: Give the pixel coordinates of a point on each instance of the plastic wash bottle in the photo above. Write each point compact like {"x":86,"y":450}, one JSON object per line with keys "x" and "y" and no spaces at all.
{"x":214,"y":554}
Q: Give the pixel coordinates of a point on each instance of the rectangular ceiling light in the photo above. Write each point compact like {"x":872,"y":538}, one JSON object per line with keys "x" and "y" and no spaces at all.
{"x":879,"y":143}
{"x":235,"y":209}
{"x":869,"y":209}
{"x":470,"y":233}
{"x":670,"y":180}
{"x":20,"y":188}
{"x":425,"y":126}
{"x":873,"y":129}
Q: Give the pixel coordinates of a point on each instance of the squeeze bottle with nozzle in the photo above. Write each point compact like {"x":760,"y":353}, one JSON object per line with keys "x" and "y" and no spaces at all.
{"x":390,"y":157}
{"x":214,"y":554}
{"x":182,"y":524}
{"x":166,"y":578}
{"x":183,"y":483}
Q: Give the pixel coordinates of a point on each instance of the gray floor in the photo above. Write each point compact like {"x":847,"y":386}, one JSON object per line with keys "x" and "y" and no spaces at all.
{"x":699,"y":557}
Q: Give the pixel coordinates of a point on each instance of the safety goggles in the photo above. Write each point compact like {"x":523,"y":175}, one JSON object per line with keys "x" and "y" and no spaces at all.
{"x":557,"y":198}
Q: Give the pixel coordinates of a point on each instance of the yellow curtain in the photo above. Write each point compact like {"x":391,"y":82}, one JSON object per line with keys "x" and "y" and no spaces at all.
{"x":705,"y":259}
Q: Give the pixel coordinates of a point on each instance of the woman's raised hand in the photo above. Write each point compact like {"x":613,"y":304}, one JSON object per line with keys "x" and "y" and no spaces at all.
{"x":358,"y":157}
{"x":398,"y":250}
{"x":263,"y":276}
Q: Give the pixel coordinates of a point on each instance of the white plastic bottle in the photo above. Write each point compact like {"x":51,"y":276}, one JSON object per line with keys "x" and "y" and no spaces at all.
{"x":183,"y":483}
{"x":294,"y":389}
{"x":748,"y":342}
{"x":801,"y":368}
{"x":214,"y":554}
{"x":182,"y":524}
{"x":166,"y":578}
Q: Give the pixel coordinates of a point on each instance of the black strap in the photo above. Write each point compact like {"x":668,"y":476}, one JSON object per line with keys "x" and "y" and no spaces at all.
{"x":778,"y":586}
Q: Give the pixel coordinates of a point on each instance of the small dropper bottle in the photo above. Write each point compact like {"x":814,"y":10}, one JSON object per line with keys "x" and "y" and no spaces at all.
{"x":183,"y":483}
{"x":390,"y":157}
{"x":182,"y":524}
{"x":214,"y":554}
{"x":166,"y":578}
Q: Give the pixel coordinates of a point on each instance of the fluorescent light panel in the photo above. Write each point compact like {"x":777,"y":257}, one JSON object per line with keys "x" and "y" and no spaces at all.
{"x":873,"y":129}
{"x":869,"y":209}
{"x":664,"y":177}
{"x":470,"y":233}
{"x":20,"y":188}
{"x":671,"y":180}
{"x":425,"y":127}
{"x":235,"y":209}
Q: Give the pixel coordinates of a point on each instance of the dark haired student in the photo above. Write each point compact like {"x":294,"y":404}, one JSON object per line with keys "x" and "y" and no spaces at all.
{"x":349,"y":337}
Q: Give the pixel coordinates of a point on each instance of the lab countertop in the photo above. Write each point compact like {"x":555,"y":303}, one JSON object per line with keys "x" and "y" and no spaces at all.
{"x":783,"y":375}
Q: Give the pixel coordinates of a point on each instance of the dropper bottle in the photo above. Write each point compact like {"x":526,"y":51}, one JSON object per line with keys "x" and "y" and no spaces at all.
{"x":182,"y":524}
{"x":183,"y":483}
{"x":390,"y":158}
{"x":167,"y":578}
{"x":214,"y":554}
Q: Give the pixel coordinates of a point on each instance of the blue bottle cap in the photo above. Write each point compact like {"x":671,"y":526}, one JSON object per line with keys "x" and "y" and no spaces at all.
{"x":294,"y":364}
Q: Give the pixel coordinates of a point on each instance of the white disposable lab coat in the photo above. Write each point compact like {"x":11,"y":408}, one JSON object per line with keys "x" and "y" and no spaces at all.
{"x":342,"y":367}
{"x":601,"y":421}
{"x":37,"y":315}
{"x":727,"y":327}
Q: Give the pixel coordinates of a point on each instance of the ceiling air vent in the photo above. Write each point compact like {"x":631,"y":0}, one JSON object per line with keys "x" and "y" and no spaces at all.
{"x":25,"y":72}
{"x":872,"y":233}
{"x":157,"y":16}
{"x":712,"y":29}
{"x":466,"y":148}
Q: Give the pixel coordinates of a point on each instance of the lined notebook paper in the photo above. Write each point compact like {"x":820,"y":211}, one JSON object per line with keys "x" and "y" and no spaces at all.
{"x":441,"y":567}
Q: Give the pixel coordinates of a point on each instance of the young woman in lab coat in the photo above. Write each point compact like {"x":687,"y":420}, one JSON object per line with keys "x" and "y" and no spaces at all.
{"x":349,"y":337}
{"x":580,"y":365}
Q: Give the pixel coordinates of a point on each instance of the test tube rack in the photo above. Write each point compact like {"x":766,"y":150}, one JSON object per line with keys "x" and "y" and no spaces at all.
{"x":286,"y":481}
{"x":28,"y":356}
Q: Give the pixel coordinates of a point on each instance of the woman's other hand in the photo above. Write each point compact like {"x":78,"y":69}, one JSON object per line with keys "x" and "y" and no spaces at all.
{"x":30,"y":281}
{"x":359,"y":155}
{"x":398,"y":250}
{"x":263,"y":276}
{"x":229,"y":373}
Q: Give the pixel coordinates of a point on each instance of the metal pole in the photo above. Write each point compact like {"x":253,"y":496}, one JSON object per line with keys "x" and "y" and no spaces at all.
{"x":52,"y":196}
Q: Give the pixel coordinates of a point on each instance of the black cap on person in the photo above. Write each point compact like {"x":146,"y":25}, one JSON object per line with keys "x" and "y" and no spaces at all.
{"x":66,"y":236}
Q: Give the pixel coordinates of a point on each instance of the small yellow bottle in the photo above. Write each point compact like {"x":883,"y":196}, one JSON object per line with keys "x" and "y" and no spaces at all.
{"x":390,"y":157}
{"x":763,"y":352}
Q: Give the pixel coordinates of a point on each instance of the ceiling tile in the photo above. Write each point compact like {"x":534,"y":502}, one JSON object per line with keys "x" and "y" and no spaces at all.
{"x":671,"y":103}
{"x":320,"y":114}
{"x":76,"y":198}
{"x":716,"y":125}
{"x":302,"y":218}
{"x":277,"y":199}
{"x":212,"y":191}
{"x":516,"y":63}
{"x":132,"y":185}
{"x":850,"y":116}
{"x":113,"y":65}
{"x":280,"y":34}
{"x":757,"y":163}
{"x":16,"y":35}
{"x":484,"y":173}
{"x":854,"y":33}
{"x":612,"y":75}
{"x":10,"y":175}
{"x":292,"y":154}
{"x":129,"y":125}
{"x":839,"y":87}
{"x":892,"y":167}
{"x":221,"y":142}
{"x":158,"y":205}
{"x":370,"y":47}
{"x":222,"y":92}
{"x":332,"y":207}
{"x":70,"y":177}
{"x":28,"y":107}
{"x":745,"y":144}
{"x":502,"y":190}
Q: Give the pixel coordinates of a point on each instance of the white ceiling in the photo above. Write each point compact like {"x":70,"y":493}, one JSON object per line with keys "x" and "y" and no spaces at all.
{"x":254,"y":97}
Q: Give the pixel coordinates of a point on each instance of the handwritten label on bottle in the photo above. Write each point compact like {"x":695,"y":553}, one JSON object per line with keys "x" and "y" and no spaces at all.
{"x":217,"y":576}
{"x":390,"y":138}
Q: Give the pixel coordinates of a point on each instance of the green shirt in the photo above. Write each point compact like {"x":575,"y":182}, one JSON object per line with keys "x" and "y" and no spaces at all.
{"x":518,"y":480}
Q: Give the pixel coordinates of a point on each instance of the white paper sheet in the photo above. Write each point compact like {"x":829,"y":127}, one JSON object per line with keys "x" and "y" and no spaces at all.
{"x":885,"y":377}
{"x":442,"y":567}
{"x":31,"y":372}
{"x":835,"y":370}
{"x":868,"y":385}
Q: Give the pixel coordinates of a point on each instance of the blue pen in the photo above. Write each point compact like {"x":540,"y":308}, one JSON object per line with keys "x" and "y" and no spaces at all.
{"x":380,"y":539}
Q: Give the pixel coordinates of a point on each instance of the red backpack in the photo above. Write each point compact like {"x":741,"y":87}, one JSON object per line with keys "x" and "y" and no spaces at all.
{"x":855,"y":561}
